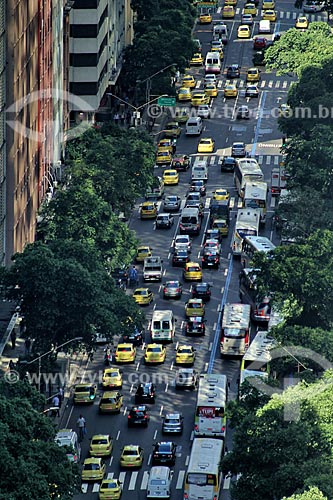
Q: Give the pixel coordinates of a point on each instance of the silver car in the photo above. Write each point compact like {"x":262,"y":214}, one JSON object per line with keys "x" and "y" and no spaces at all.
{"x":172,"y":203}
{"x":172,"y":290}
{"x":172,"y":424}
{"x":186,"y":378}
{"x":182,"y":241}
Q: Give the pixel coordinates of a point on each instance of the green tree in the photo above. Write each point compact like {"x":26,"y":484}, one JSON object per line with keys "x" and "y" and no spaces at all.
{"x":33,"y":466}
{"x":312,"y":493}
{"x":299,"y":277}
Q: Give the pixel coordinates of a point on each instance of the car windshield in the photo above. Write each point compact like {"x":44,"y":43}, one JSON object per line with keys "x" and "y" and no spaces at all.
{"x":172,"y":284}
{"x":193,"y":269}
{"x":201,"y":288}
{"x":166,"y":448}
{"x":171,"y":199}
{"x":140,"y":292}
{"x":99,"y":441}
{"x":124,"y":349}
{"x":171,"y":420}
{"x":130,"y":452}
{"x":157,"y":482}
{"x":194,"y":305}
{"x":91,"y":467}
{"x":108,"y":400}
{"x":186,"y":350}
{"x":82,"y":389}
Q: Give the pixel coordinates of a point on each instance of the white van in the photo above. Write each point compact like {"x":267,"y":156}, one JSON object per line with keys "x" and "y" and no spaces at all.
{"x":163,"y":326}
{"x":68,"y":438}
{"x":190,"y":221}
{"x":200,"y":171}
{"x":264,"y":26}
{"x":159,"y":482}
{"x":213,"y":63}
{"x":194,"y":126}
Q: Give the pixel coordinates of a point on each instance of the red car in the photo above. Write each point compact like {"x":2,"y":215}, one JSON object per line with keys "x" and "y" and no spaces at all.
{"x":259,"y":42}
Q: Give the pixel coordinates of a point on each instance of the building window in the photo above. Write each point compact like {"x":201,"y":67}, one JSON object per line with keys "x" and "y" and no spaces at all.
{"x":84,"y":88}
{"x":83,"y":30}
{"x":82,"y":60}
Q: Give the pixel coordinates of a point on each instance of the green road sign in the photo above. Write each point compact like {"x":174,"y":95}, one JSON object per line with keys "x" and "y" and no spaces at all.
{"x":166,"y":101}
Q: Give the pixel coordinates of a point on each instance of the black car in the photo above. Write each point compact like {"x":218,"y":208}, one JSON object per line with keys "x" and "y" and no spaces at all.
{"x":211,"y":259}
{"x":233,"y":71}
{"x":135,"y":338}
{"x":228,"y":164}
{"x":201,"y":291}
{"x":195,"y":325}
{"x":198,"y":186}
{"x":180,"y":258}
{"x":164,"y":453}
{"x":145,"y":393}
{"x":138,"y":416}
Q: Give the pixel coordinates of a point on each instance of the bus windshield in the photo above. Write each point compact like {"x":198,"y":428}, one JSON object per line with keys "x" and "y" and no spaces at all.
{"x":201,"y":479}
{"x":235,"y":333}
{"x":246,"y":232}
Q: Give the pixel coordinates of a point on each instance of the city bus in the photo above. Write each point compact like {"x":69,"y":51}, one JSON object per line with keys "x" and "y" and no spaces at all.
{"x":256,"y":360}
{"x":247,"y":224}
{"x":253,"y":244}
{"x":246,"y":170}
{"x":235,"y":329}
{"x":256,"y":196}
{"x":203,"y":477}
{"x":210,"y":419}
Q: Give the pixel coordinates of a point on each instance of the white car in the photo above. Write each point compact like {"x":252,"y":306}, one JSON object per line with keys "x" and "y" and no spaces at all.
{"x":200,"y":171}
{"x":182,"y":242}
{"x":210,"y":79}
{"x":204,"y":111}
{"x":312,"y":6}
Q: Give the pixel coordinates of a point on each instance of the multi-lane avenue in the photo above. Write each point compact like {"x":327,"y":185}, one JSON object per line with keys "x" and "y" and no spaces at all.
{"x":263,"y":141}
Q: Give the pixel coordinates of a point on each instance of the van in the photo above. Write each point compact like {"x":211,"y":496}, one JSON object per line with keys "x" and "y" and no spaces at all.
{"x":152,"y":269}
{"x":190,"y":221}
{"x":200,"y":171}
{"x":157,"y":189}
{"x":220,"y":32}
{"x":264,"y":26}
{"x":159,"y":482}
{"x":194,"y":126}
{"x":213,"y":62}
{"x":68,"y":438}
{"x":163,"y":326}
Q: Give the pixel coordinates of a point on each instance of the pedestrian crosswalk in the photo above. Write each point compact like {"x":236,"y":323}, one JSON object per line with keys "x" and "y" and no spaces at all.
{"x":270,"y":84}
{"x":290,"y":15}
{"x":261,"y":159}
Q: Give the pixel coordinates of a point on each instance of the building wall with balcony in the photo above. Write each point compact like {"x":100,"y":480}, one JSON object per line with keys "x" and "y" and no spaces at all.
{"x":58,"y":82}
{"x":3,"y":160}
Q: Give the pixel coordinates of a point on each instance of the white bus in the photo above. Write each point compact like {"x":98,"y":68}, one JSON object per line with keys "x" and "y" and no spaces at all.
{"x":256,"y":196}
{"x":253,"y":244}
{"x":247,"y":224}
{"x":235,"y":330}
{"x":203,"y":478}
{"x":256,"y":360}
{"x":246,"y":170}
{"x":210,"y":419}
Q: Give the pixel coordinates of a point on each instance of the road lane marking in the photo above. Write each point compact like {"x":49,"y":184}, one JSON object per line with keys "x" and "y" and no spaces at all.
{"x":155,"y":434}
{"x":122,"y":477}
{"x":166,"y":387}
{"x":137,"y":366}
{"x":118,"y":434}
{"x":149,"y":459}
{"x":132,"y":483}
{"x":111,"y":460}
{"x":110,"y":475}
{"x":171,"y":366}
{"x":210,"y":346}
{"x":187,"y":460}
{"x":84,"y":487}
{"x":161,"y":410}
{"x":95,"y":488}
{"x":192,"y":436}
{"x":226,"y":482}
{"x":144,"y":481}
{"x":206,"y":367}
{"x":180,"y":480}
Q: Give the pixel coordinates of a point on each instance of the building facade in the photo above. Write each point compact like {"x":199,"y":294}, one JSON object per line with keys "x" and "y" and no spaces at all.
{"x":3,"y":159}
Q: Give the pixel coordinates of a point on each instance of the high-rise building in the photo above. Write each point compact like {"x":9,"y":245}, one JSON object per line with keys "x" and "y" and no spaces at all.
{"x":3,"y":161}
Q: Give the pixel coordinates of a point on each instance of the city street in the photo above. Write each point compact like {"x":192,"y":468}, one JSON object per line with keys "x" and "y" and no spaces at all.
{"x":263,"y":140}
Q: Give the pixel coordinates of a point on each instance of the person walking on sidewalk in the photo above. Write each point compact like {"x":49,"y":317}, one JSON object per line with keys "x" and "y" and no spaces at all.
{"x":27,"y":345}
{"x":13,"y":339}
{"x":60,"y":395}
{"x":12,"y":366}
{"x":81,"y":422}
{"x":56,"y":405}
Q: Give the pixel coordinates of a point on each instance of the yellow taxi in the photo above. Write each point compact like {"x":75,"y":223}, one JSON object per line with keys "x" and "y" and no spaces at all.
{"x":219,"y":50}
{"x":269,"y":15}
{"x":155,"y":353}
{"x":243,"y":31}
{"x":101,"y":445}
{"x":230,"y":2}
{"x":184,"y":94}
{"x":84,"y":393}
{"x":111,"y":489}
{"x":192,"y":272}
{"x":148,"y":210}
{"x":125,"y":353}
{"x":112,"y":378}
{"x":268,"y":5}
{"x":165,"y":145}
{"x":302,"y":23}
{"x":205,"y":18}
{"x":211,"y":90}
{"x":230,"y":90}
{"x":93,"y":469}
{"x":172,"y":129}
{"x":142,"y":252}
{"x":131,"y":456}
{"x":253,"y":75}
{"x":195,"y":307}
{"x":206,"y":145}
{"x":188,"y":82}
{"x":199,"y":98}
{"x":222,"y":226}
{"x":250,"y":8}
{"x":185,"y":355}
{"x":143,"y":296}
{"x":196,"y":60}
{"x":182,"y":114}
{"x":111,"y":402}
{"x":228,"y":12}
{"x":163,"y":157}
{"x":170,"y":177}
{"x":221,"y":194}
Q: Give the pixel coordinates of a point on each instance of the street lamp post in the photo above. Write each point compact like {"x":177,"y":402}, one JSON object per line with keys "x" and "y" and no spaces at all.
{"x":136,"y":108}
{"x":39,"y":358}
{"x":149,"y":79}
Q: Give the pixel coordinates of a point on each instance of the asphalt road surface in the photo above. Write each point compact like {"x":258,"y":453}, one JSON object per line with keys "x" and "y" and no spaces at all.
{"x":263,"y":140}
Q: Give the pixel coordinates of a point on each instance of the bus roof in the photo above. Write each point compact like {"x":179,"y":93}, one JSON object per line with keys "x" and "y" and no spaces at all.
{"x":252,"y":373}
{"x":260,"y":243}
{"x":236,"y":316}
{"x":259,"y":349}
{"x":212,"y":390}
{"x":255,"y":190}
{"x":205,"y":456}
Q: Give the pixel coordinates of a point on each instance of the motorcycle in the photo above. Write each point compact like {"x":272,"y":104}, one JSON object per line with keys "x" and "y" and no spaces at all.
{"x":107,"y":358}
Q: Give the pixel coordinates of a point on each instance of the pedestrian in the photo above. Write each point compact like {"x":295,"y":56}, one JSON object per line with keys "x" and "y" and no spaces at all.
{"x":81,"y":423}
{"x":11,"y":365}
{"x":27,"y":344}
{"x":122,"y":119}
{"x":56,"y":405}
{"x":116,"y":118}
{"x":13,"y":339}
{"x":60,"y":395}
{"x":177,"y":75}
{"x":128,"y":118}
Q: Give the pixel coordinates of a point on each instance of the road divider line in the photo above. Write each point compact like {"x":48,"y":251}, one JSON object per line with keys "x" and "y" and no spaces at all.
{"x":161,"y":410}
{"x":118,"y":434}
{"x":180,"y":480}
{"x":192,"y":436}
{"x":166,"y":387}
{"x":149,"y":459}
{"x":187,"y":460}
{"x":155,"y":434}
{"x":214,"y":327}
{"x":210,"y":346}
{"x":110,"y":463}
